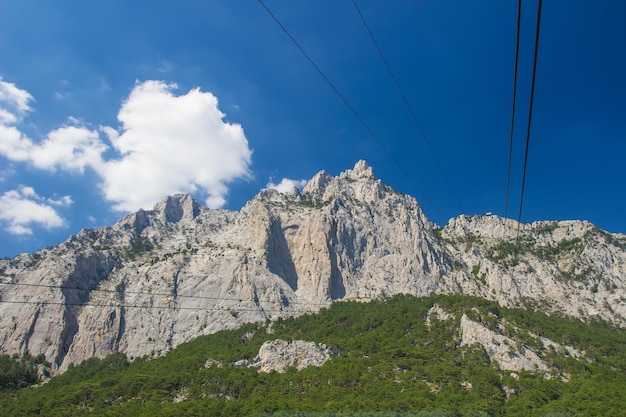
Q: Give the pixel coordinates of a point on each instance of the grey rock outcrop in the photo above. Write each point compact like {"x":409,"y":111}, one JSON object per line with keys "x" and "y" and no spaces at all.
{"x":501,"y":349}
{"x":160,"y":277}
{"x":510,"y":352}
{"x":278,"y":355}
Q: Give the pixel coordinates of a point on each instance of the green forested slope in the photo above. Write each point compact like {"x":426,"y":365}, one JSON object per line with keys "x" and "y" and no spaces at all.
{"x":390,"y":363}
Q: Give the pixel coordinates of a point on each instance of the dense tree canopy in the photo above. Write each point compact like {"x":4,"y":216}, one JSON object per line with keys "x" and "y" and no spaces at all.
{"x":391,"y":362}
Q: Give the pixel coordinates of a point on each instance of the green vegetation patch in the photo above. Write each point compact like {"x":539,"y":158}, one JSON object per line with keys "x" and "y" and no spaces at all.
{"x":390,"y":362}
{"x":138,"y":246}
{"x":20,"y":372}
{"x":506,"y":252}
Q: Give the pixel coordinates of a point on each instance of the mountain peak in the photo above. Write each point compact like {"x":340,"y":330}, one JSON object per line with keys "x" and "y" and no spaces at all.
{"x":361,"y":170}
{"x":175,"y":207}
{"x":318,"y":183}
{"x":323,"y":182}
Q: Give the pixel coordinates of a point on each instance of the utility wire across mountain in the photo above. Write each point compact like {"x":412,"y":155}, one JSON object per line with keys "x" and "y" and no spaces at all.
{"x":409,"y":107}
{"x":530,"y":117}
{"x":142,"y":306}
{"x":157,"y":294}
{"x":351,"y":108}
{"x":508,"y":178}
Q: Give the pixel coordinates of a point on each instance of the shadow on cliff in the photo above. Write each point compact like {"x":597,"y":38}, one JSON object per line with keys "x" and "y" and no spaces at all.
{"x":279,"y":260}
{"x":88,"y":272}
{"x":337,"y":289}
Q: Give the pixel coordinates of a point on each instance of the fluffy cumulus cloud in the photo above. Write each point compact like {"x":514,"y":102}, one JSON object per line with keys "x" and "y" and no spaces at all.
{"x":171,"y":144}
{"x":22,"y":208}
{"x":166,"y":144}
{"x":71,"y":147}
{"x":286,"y":185}
{"x":15,"y":97}
{"x":14,"y":104}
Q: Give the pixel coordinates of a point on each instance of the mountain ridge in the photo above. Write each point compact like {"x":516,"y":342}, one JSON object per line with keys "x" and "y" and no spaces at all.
{"x":160,"y":277}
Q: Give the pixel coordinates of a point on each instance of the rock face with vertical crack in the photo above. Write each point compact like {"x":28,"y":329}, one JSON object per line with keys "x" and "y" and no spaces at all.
{"x":163,"y":276}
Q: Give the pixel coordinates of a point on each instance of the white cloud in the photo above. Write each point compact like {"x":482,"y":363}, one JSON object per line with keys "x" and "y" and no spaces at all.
{"x":7,"y":117}
{"x":286,"y":185}
{"x":28,"y":192}
{"x":22,"y":208}
{"x":167,"y":144}
{"x":15,"y":97}
{"x":171,"y":144}
{"x":70,"y":148}
{"x":14,"y":103}
{"x":64,"y":201}
{"x":14,"y":144}
{"x":61,"y":96}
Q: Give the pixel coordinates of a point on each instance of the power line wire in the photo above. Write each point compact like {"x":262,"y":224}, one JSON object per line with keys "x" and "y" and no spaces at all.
{"x":63,"y":287}
{"x":229,"y":308}
{"x":140,"y":306}
{"x":348,"y":105}
{"x":517,"y":39}
{"x":407,"y":105}
{"x":530,"y":116}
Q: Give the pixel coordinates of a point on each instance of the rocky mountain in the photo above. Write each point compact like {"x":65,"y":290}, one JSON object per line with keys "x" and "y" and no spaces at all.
{"x":160,"y":277}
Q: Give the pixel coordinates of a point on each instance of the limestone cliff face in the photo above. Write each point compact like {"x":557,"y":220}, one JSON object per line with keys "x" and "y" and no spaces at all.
{"x":160,"y":277}
{"x":351,"y":237}
{"x":568,"y":267}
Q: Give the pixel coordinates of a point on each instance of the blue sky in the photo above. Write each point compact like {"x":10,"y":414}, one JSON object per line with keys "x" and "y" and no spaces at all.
{"x":108,"y":106}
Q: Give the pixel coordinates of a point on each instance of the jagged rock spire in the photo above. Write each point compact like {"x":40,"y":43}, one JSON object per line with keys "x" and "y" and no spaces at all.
{"x":361,"y":170}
